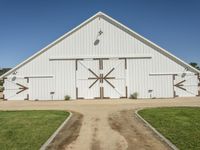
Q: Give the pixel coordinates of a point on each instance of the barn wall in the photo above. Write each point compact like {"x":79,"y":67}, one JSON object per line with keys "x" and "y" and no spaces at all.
{"x":161,"y":86}
{"x":40,"y":88}
{"x":138,"y":76}
{"x":65,"y":79}
{"x":113,"y":42}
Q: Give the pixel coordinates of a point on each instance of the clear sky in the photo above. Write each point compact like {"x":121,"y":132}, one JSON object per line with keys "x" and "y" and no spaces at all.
{"x":26,"y":26}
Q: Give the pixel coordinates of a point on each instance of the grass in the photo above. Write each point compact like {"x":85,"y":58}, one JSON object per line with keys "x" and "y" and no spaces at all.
{"x":180,"y":125}
{"x":28,"y":129}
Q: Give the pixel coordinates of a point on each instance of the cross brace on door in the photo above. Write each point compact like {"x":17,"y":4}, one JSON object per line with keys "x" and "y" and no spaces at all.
{"x":102,"y":78}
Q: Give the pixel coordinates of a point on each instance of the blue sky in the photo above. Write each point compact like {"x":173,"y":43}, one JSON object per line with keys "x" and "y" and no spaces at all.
{"x":26,"y":26}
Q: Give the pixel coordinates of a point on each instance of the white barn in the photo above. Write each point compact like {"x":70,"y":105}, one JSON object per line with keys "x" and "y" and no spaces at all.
{"x":101,"y":58}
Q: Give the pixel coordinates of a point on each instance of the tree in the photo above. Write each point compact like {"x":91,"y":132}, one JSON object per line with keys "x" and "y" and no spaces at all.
{"x":195,"y":65}
{"x":4,"y":70}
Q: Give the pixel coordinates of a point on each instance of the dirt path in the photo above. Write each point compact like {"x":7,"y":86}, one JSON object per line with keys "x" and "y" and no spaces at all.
{"x":96,"y":134}
{"x":106,"y":124}
{"x":68,"y":133}
{"x":136,"y":134}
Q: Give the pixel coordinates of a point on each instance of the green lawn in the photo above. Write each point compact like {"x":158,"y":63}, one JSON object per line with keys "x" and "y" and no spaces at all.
{"x":180,"y":125}
{"x":28,"y":129}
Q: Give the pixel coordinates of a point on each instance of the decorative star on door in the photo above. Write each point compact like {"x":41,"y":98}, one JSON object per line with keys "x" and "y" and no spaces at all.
{"x":101,"y":78}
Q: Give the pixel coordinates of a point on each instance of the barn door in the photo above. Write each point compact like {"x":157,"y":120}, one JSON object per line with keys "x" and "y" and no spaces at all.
{"x":100,"y":78}
{"x":114,"y":83}
{"x":16,"y":88}
{"x":87,"y":73}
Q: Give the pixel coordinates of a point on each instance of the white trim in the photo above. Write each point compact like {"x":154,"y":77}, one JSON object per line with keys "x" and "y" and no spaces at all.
{"x":34,"y":76}
{"x":108,"y":56}
{"x":116,"y":23}
{"x":40,"y":76}
{"x":171,"y":73}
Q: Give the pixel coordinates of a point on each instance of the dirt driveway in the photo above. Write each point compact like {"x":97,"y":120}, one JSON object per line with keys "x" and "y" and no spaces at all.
{"x":107,"y":124}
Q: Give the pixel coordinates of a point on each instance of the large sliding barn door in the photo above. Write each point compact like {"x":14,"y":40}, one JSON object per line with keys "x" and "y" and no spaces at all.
{"x":101,"y":78}
{"x":114,"y":83}
{"x":87,"y":88}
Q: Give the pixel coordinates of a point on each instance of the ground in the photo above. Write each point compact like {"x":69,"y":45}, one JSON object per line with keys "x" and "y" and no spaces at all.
{"x":106,"y":124}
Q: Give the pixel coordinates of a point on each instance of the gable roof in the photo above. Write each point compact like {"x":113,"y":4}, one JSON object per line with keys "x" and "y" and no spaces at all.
{"x":117,"y":24}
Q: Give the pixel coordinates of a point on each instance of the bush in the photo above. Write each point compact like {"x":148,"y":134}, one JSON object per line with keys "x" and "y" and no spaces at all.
{"x":67,"y":97}
{"x":134,"y":96}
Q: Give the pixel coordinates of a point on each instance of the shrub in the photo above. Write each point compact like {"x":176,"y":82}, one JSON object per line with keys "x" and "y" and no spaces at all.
{"x":134,"y":95}
{"x":67,"y":97}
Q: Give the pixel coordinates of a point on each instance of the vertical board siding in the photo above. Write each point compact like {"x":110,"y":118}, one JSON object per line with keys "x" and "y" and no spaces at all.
{"x":64,"y":83}
{"x":138,"y":76}
{"x":40,"y":88}
{"x":162,"y":86}
{"x":113,"y":42}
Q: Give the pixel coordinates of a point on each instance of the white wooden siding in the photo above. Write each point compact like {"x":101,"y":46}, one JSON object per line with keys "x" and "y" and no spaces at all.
{"x":113,"y":42}
{"x":40,"y":88}
{"x":65,"y":82}
{"x":138,"y":77}
{"x":162,"y":86}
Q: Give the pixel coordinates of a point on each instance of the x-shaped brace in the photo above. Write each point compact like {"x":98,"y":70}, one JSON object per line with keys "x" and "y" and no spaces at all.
{"x":101,"y":78}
